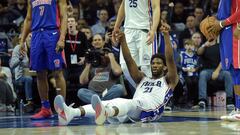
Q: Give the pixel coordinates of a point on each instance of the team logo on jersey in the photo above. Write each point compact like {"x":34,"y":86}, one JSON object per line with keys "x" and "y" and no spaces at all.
{"x":146,"y":59}
{"x":226,"y":61}
{"x":57,"y":63}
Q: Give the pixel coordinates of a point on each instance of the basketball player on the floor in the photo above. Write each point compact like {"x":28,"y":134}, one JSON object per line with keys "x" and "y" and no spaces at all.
{"x":149,"y":99}
{"x":139,"y":28}
{"x":230,"y":48}
{"x":43,"y":20}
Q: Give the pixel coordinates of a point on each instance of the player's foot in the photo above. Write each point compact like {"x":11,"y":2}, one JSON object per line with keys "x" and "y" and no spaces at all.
{"x":202,"y":104}
{"x":99,"y":108}
{"x":44,"y":113}
{"x":233,"y":116}
{"x":65,"y":114}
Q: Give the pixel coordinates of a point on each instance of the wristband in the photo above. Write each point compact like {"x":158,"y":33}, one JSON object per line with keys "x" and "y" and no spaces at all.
{"x":220,"y":23}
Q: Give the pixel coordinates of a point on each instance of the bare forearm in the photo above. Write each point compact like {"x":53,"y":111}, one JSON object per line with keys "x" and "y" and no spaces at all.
{"x":156,"y":14}
{"x":26,"y":30}
{"x":117,"y":71}
{"x":219,"y":67}
{"x":168,"y":48}
{"x":201,"y":50}
{"x":63,"y":19}
{"x":84,"y":77}
{"x":120,"y":15}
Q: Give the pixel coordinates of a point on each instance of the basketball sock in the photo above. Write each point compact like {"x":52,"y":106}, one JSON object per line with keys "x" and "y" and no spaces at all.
{"x":237,"y":102}
{"x":88,"y":110}
{"x":76,"y":112}
{"x":46,"y":104}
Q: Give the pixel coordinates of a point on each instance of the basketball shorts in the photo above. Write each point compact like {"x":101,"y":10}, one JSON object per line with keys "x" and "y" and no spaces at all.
{"x":43,"y":55}
{"x":137,"y":44}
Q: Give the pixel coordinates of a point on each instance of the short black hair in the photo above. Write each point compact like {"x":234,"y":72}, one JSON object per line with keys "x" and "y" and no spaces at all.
{"x":161,"y":56}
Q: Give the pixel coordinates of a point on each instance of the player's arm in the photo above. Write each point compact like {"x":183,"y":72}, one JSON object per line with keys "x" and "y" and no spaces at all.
{"x":136,"y":74}
{"x":120,"y":15}
{"x":27,"y":24}
{"x":62,"y":4}
{"x":156,"y":14}
{"x":234,"y":18}
{"x":155,"y":20}
{"x":119,"y":20}
{"x":172,"y":76}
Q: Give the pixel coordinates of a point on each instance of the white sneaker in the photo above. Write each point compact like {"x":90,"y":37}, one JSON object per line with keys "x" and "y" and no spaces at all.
{"x":65,"y":114}
{"x":233,"y":116}
{"x":100,"y":111}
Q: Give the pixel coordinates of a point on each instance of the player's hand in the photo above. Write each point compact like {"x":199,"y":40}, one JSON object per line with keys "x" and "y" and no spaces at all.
{"x":60,"y":46}
{"x":215,"y":75}
{"x":214,"y":28}
{"x":150,"y":37}
{"x":120,"y":37}
{"x":165,"y":28}
{"x":115,"y":34}
{"x":22,"y":49}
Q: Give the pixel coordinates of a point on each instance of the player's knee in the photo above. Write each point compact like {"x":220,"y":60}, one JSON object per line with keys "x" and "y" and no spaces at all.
{"x":42,"y":75}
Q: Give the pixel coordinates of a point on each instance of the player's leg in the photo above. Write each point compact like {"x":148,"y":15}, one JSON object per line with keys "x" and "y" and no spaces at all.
{"x":235,"y":114}
{"x":38,"y":63}
{"x":145,"y":53}
{"x":117,"y":107}
{"x":55,"y":60}
{"x":60,"y":82}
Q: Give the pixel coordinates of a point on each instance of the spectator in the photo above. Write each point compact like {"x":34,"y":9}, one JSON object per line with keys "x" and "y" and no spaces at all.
{"x":197,"y":39}
{"x":212,"y":70}
{"x":188,"y":31}
{"x":19,"y":63}
{"x":75,"y":46}
{"x":8,"y":94}
{"x":199,"y":14}
{"x":190,"y":66}
{"x":5,"y":48}
{"x":87,"y":31}
{"x":102,"y":80}
{"x":100,"y":27}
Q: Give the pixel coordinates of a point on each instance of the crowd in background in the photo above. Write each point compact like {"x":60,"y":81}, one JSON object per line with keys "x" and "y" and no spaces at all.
{"x":195,"y":57}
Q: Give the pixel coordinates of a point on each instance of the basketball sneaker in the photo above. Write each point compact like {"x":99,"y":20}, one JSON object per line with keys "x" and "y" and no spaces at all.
{"x":100,"y":111}
{"x":44,"y":113}
{"x":202,"y":104}
{"x":233,"y":116}
{"x":65,"y":114}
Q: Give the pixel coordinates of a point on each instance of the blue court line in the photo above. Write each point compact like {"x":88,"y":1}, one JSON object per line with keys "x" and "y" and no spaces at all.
{"x":25,"y":122}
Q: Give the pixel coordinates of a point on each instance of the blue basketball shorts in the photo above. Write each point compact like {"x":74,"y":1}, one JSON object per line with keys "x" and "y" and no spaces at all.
{"x":43,"y":55}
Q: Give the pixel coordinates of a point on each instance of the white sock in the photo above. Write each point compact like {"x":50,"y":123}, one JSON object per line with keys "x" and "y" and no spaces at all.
{"x":76,"y":112}
{"x":110,"y":111}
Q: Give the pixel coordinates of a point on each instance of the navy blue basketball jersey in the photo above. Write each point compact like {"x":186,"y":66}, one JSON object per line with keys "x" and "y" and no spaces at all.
{"x":45,"y":14}
{"x":189,"y":61}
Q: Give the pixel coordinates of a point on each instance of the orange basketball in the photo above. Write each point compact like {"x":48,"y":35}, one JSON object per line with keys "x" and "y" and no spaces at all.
{"x":205,"y":24}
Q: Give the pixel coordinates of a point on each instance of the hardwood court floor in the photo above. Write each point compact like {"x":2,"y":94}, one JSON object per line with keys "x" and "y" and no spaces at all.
{"x":179,"y":122}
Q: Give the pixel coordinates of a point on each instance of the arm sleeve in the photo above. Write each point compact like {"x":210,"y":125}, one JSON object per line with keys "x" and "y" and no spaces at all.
{"x":235,"y":17}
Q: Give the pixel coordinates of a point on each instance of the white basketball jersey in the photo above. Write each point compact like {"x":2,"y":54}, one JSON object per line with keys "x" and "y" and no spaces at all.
{"x":137,"y":14}
{"x":152,"y":93}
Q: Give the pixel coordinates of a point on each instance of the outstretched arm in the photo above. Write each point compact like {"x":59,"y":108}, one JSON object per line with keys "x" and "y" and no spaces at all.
{"x":172,"y":76}
{"x":136,"y":74}
{"x":120,"y":18}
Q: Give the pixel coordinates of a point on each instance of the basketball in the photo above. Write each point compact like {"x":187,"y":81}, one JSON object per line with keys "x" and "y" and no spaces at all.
{"x":205,"y":26}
